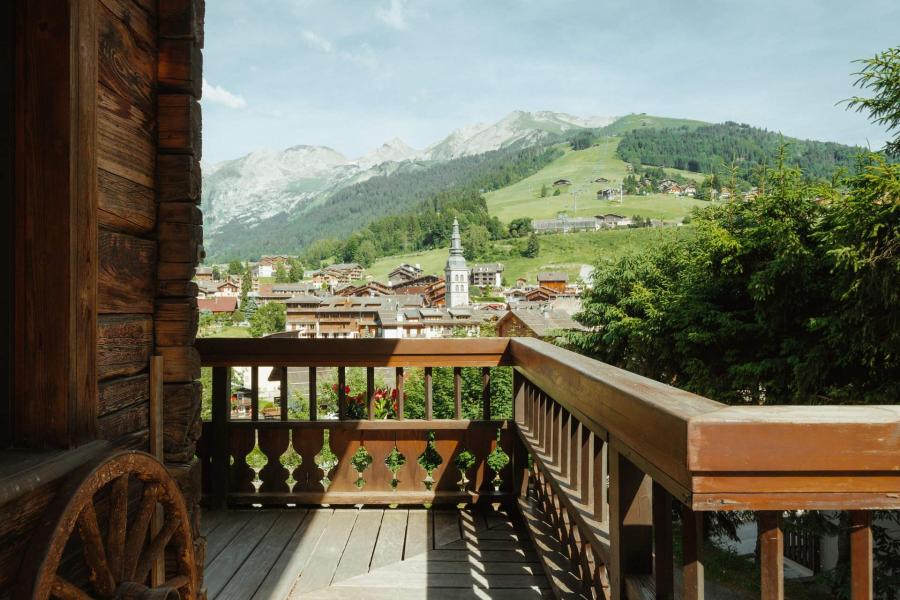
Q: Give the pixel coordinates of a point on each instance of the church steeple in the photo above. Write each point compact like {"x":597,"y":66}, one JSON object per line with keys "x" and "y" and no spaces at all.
{"x":456,"y":273}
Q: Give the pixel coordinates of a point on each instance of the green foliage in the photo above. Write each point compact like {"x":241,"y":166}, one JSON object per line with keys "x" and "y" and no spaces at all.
{"x":712,"y":148}
{"x":361,"y":460}
{"x":497,"y":461}
{"x":295,"y":270}
{"x":394,"y":462}
{"x":216,"y":273}
{"x":465,"y":460}
{"x":269,"y":318}
{"x":235,"y":268}
{"x":520,"y":226}
{"x":556,"y":192}
{"x":475,"y":241}
{"x":543,"y":190}
{"x":281,"y":274}
{"x":326,"y":460}
{"x":582,"y":140}
{"x":430,"y":459}
{"x":533,"y":247}
{"x":881,"y":75}
{"x":249,"y":307}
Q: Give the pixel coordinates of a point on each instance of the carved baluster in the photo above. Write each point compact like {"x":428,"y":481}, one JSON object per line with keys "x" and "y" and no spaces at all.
{"x":313,"y":395}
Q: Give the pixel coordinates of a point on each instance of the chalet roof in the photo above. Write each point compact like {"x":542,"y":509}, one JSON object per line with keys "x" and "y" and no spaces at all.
{"x":291,"y":288}
{"x":543,"y":322}
{"x":304,"y":299}
{"x":609,"y":216}
{"x":488,"y":268}
{"x":218,"y":305}
{"x":553,"y":276}
{"x":343,"y":267}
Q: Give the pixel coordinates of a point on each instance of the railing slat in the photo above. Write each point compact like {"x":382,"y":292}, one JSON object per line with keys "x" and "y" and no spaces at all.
{"x":221,"y":384}
{"x":861,"y":587}
{"x":663,"y":568}
{"x":584,"y":465}
{"x":598,"y":485}
{"x":574,"y":449}
{"x":313,"y":395}
{"x":370,"y":393}
{"x":486,"y":393}
{"x":457,"y":393}
{"x":630,"y":523}
{"x":254,"y":393}
{"x":400,"y":393}
{"x":283,"y":394}
{"x":692,"y":553}
{"x":771,"y":555}
{"x":564,"y":443}
{"x":342,"y":393}
{"x":429,"y":395}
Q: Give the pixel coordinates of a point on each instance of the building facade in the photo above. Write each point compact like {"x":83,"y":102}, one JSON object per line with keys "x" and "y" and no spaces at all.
{"x":456,"y":273}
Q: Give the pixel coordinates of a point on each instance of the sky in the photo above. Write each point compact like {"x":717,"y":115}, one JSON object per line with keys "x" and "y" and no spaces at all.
{"x":352,"y":74}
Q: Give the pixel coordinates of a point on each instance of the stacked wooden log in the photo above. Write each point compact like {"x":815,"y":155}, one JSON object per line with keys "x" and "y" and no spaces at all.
{"x":179,"y":235}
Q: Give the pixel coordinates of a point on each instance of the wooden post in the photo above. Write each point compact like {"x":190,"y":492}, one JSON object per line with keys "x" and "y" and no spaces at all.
{"x":584,"y":465}
{"x":486,"y":393}
{"x":283,"y":397}
{"x":574,"y":450}
{"x":663,"y":568}
{"x":861,"y":586}
{"x":342,"y":393}
{"x":457,"y":393}
{"x":370,"y":392}
{"x":692,"y":560}
{"x":400,"y":393}
{"x":429,"y":392}
{"x":566,"y":418}
{"x":221,"y":380}
{"x":771,"y":555}
{"x":254,"y":393}
{"x":313,"y":395}
{"x":630,"y":523}
{"x":598,"y":484}
{"x":158,"y":570}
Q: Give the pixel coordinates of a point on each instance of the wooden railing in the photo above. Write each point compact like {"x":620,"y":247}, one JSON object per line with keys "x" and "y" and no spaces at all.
{"x":613,"y":456}
{"x":233,"y":476}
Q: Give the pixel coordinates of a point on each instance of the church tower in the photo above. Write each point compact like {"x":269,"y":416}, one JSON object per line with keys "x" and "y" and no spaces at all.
{"x":456,"y":273}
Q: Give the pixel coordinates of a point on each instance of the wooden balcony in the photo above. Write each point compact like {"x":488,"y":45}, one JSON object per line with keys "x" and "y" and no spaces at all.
{"x":600,"y":459}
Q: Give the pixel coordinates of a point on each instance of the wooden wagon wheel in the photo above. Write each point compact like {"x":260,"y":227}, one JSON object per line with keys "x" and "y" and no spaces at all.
{"x":119,"y":552}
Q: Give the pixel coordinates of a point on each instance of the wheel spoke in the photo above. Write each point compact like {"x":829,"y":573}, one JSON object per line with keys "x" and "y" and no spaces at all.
{"x":137,"y":533}
{"x":94,"y":552}
{"x":177,"y":582}
{"x":118,"y":523}
{"x":64,"y":590}
{"x":155,"y":550}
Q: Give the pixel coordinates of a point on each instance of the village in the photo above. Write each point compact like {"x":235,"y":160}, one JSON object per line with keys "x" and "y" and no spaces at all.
{"x":341,"y":301}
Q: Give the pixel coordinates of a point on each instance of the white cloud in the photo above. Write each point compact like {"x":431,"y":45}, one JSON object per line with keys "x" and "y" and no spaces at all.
{"x":394,"y":14}
{"x":219,"y":95}
{"x":317,"y":41}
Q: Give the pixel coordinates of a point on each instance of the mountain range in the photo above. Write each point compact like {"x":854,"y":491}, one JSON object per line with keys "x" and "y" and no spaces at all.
{"x":245,"y":193}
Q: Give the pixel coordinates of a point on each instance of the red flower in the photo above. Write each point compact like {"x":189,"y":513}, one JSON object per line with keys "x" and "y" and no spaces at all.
{"x":346,"y":389}
{"x":394,"y":394}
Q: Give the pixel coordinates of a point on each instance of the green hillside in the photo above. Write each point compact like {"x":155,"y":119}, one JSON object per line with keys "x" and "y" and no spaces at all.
{"x":562,"y":252}
{"x":645,"y":121}
{"x":582,"y":168}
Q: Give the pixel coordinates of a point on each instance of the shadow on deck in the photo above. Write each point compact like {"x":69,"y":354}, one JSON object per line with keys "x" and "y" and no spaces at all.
{"x":371,"y":553}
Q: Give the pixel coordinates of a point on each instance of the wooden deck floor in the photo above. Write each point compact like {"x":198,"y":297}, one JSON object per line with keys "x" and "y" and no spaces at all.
{"x":370,"y":554}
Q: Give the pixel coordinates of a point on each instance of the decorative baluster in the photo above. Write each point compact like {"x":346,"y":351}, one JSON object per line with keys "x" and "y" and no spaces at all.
{"x":457,"y":393}
{"x":400,"y":393}
{"x":486,"y":393}
{"x":861,"y":555}
{"x":663,"y":569}
{"x":291,"y":461}
{"x":429,"y":392}
{"x":313,"y":395}
{"x":692,"y":549}
{"x":771,"y":555}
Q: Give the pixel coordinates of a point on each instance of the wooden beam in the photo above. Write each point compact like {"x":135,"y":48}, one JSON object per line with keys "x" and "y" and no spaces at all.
{"x":221,"y":410}
{"x":692,"y":550}
{"x":663,"y":557}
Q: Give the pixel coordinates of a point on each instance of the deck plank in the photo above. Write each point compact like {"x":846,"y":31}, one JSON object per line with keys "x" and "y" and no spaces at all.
{"x":446,"y":527}
{"x":221,"y":536}
{"x":389,"y":546}
{"x":256,"y":567}
{"x":431,"y":593}
{"x":419,"y":533}
{"x":293,"y":559}
{"x":321,"y":566}
{"x":358,"y":553}
{"x":211,"y":520}
{"x":224,"y":566}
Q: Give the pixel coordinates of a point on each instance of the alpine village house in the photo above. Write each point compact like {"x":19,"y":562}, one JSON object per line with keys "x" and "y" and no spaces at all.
{"x":113,"y":486}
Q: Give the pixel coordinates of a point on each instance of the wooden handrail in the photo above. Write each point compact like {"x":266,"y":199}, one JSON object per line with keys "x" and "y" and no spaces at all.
{"x":292,"y":352}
